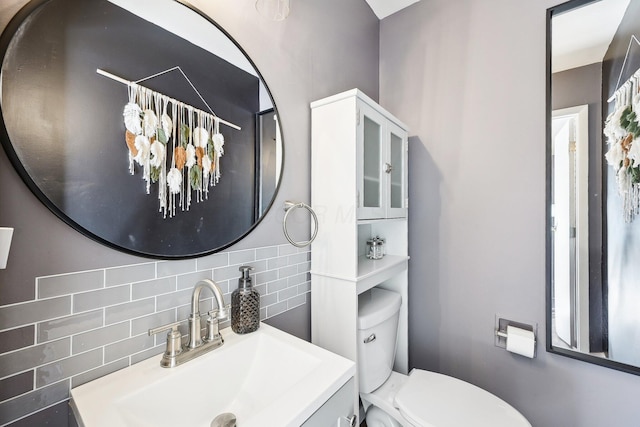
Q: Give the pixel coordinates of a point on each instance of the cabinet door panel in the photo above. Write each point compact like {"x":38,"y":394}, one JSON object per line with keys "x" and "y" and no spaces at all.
{"x":371,"y":151}
{"x":397,"y":172}
{"x":372,"y":162}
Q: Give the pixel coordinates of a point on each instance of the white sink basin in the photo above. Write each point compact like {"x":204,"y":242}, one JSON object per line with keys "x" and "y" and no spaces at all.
{"x":266,"y":378}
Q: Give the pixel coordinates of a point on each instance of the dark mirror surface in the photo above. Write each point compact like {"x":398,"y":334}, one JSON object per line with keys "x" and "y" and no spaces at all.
{"x":63,"y":126}
{"x":593,"y":242}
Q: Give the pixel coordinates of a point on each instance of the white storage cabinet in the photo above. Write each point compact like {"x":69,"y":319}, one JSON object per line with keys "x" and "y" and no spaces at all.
{"x":359,"y":191}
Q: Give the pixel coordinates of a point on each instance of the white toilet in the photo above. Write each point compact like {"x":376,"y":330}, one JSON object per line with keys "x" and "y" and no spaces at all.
{"x":422,"y":398}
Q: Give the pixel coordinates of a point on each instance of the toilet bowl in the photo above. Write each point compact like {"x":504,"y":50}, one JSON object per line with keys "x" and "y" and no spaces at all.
{"x":422,"y":398}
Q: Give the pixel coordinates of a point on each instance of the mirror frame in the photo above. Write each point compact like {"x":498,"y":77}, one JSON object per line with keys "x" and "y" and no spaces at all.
{"x":7,"y":36}
{"x":574,"y":354}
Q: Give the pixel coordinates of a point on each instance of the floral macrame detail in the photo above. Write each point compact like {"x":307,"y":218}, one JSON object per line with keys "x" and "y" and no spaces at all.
{"x":177,"y":147}
{"x":622,"y":131}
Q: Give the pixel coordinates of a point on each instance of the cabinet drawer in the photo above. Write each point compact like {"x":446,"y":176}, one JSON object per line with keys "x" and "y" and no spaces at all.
{"x":339,"y":406}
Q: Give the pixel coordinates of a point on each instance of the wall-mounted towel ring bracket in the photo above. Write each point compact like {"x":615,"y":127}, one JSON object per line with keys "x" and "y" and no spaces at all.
{"x":290,"y":206}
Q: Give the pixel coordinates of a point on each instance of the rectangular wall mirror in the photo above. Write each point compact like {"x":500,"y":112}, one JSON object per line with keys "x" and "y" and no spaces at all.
{"x":593,"y":182}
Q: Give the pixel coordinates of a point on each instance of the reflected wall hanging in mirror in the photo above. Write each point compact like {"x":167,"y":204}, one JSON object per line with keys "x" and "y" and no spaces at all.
{"x":155,"y":123}
{"x":64,"y":127}
{"x":623,"y":132}
{"x":592,"y":247}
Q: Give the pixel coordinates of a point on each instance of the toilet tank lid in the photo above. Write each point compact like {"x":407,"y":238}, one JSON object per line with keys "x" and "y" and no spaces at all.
{"x":377,"y":305}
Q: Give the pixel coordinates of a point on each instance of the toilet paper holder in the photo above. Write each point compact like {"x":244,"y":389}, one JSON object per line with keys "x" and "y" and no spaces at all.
{"x":501,"y":325}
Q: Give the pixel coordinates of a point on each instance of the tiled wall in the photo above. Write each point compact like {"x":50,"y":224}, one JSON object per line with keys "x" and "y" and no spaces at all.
{"x":86,"y":324}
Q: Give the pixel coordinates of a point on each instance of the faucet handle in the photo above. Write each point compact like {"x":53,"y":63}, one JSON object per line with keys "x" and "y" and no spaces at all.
{"x":220,"y":313}
{"x":174,"y":342}
{"x":172,"y":327}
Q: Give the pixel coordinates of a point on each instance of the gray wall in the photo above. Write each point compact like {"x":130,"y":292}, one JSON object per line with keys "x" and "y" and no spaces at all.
{"x":468,"y":77}
{"x":321,"y":49}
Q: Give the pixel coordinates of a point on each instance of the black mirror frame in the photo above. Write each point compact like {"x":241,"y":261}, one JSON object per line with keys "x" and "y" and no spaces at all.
{"x":5,"y":39}
{"x":612,"y":364}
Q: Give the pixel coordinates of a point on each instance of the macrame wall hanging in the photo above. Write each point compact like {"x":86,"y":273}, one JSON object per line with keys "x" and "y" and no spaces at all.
{"x":176,"y":146}
{"x":622,"y":131}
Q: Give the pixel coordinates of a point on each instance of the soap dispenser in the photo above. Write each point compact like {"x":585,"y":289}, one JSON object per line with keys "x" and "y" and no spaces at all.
{"x":245,"y":305}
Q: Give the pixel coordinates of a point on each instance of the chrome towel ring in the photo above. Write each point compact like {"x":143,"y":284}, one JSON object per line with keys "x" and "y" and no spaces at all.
{"x":288,"y":207}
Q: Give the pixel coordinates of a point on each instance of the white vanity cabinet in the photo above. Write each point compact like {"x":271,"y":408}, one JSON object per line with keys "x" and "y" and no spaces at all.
{"x":337,"y":411}
{"x":354,"y":143}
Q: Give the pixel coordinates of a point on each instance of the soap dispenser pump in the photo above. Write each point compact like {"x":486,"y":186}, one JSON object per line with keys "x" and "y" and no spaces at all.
{"x":245,"y":304}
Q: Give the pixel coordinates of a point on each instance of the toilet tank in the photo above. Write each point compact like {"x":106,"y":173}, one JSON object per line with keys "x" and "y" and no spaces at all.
{"x":378,"y":312}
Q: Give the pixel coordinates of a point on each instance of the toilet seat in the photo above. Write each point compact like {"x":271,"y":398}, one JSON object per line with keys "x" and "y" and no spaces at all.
{"x":434,"y":400}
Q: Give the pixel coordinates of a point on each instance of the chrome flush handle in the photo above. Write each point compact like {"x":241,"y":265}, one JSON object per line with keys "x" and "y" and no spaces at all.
{"x":370,"y":338}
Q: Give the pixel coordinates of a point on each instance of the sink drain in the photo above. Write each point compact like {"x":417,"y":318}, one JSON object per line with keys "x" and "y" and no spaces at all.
{"x":224,"y":420}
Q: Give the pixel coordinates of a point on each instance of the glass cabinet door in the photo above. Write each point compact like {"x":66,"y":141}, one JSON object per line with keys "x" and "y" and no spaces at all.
{"x":371,"y":191}
{"x":396,"y":169}
{"x":382,"y":166}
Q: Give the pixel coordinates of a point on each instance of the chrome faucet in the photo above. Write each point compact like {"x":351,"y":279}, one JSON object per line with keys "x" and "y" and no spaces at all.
{"x":175,"y":353}
{"x":195,"y":339}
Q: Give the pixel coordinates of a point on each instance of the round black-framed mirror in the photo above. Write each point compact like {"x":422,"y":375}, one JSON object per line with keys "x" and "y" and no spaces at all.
{"x":62,"y":123}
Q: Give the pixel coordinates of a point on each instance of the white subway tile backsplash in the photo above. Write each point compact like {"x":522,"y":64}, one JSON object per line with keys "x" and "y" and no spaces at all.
{"x":269,"y":299}
{"x":287,"y":271}
{"x":127,"y":347}
{"x":172,"y":268}
{"x":242,"y":257}
{"x":212,"y":261}
{"x":65,"y":368}
{"x":268,"y":252}
{"x":275,"y":263}
{"x":69,"y":325}
{"x":296,"y":301}
{"x":153,"y":287}
{"x":304,"y":287}
{"x":129,"y":274}
{"x":287,"y":293}
{"x":27,"y":358}
{"x":187,"y":281}
{"x":20,"y":406}
{"x":100,"y":337}
{"x":226,"y":273}
{"x":90,"y":323}
{"x":227,"y":287}
{"x":276,"y":309}
{"x":267,"y":276}
{"x":297,"y":258}
{"x":54,"y":286}
{"x":259,"y":266}
{"x":262,"y":289}
{"x":287,"y":250}
{"x":143,"y":324}
{"x":296,"y":279}
{"x":173,"y":300}
{"x":99,"y":372}
{"x":139,"y":357}
{"x":276,"y":286}
{"x":103,"y":298}
{"x":304,"y":267}
{"x":130,"y":310}
{"x":15,"y":315}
